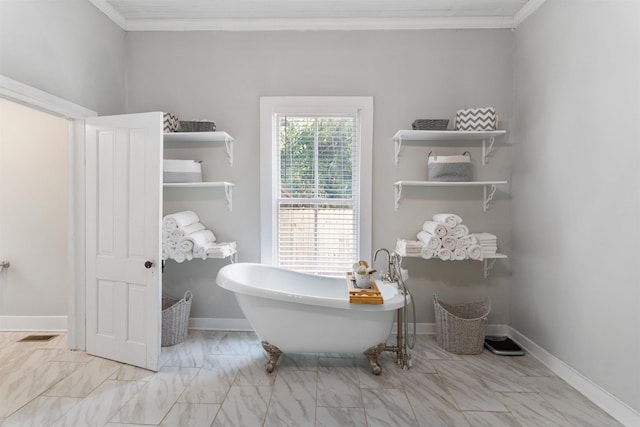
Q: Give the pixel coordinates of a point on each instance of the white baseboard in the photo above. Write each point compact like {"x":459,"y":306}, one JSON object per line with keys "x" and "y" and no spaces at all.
{"x":33,"y":323}
{"x":215,"y":324}
{"x":221,"y":324}
{"x":619,"y":410}
{"x":430,"y":329}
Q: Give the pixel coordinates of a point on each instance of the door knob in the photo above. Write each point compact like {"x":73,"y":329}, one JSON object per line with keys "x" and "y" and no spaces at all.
{"x":148,"y":264}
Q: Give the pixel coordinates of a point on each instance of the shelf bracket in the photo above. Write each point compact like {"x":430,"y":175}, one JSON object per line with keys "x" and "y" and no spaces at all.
{"x":398,"y":147}
{"x":488,"y":266}
{"x":228,"y":144}
{"x":398,"y":194}
{"x":486,"y":151}
{"x":228,"y":192}
{"x":489,"y":192}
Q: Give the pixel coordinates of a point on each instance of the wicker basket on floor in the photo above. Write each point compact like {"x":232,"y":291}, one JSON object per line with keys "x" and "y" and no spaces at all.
{"x":175,"y":318}
{"x":461,"y":328}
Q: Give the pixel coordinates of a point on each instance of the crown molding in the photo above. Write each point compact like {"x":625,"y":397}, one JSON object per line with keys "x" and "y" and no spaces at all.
{"x":320,"y":24}
{"x":526,"y":11}
{"x":111,"y":13}
{"x":297,"y":24}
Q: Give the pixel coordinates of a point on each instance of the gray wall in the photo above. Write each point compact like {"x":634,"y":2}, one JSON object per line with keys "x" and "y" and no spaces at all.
{"x":66,"y":48}
{"x":410,"y":74}
{"x":576,"y":189}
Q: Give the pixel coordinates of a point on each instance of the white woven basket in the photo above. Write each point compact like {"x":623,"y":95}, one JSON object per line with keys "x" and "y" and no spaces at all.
{"x":461,"y":328}
{"x":175,"y":318}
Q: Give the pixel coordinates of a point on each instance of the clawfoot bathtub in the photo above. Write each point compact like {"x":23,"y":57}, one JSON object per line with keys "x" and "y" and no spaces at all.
{"x":302,"y":313}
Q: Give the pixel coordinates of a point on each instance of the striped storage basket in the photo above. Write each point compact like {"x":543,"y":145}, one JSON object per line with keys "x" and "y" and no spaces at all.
{"x":476,"y":119}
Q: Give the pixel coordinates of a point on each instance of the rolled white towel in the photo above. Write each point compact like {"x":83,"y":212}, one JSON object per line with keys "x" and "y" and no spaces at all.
{"x":200,"y":238}
{"x":178,"y":256}
{"x":459,"y":231}
{"x":475,"y":252}
{"x":185,"y":245}
{"x":448,"y":219}
{"x":179,"y":220}
{"x":449,"y":243}
{"x":171,"y":243}
{"x":459,"y":254}
{"x":176,"y":234}
{"x":445,"y":254}
{"x":179,"y":233}
{"x":427,"y":253}
{"x":438,"y":229}
{"x":429,"y":240}
{"x":166,"y":252}
{"x":463,"y":242}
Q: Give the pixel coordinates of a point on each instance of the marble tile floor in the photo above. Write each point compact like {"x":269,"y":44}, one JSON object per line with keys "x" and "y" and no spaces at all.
{"x":218,"y":379}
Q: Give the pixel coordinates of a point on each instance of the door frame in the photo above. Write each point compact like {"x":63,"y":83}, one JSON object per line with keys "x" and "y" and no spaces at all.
{"x":37,"y":99}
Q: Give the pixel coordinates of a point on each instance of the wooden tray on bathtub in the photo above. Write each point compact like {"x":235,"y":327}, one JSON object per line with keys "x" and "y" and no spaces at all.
{"x":363,"y":296}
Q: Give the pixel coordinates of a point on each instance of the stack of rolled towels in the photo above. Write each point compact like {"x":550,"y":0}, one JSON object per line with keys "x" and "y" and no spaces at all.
{"x":185,"y":238}
{"x":445,"y":237}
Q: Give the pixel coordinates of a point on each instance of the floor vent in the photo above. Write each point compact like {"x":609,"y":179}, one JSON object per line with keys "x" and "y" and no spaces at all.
{"x":37,"y":338}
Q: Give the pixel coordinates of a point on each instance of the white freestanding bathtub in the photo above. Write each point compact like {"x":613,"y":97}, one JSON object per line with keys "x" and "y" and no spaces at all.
{"x":302,"y":313}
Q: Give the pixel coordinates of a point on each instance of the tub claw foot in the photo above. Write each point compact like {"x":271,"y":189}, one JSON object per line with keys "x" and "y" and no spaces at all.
{"x":274,"y":354}
{"x":372,"y":354}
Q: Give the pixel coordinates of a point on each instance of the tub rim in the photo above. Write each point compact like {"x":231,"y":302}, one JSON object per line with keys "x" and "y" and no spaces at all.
{"x":393,"y":302}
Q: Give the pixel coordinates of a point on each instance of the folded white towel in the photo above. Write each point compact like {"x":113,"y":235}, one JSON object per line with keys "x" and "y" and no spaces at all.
{"x":448,"y":219}
{"x":445,"y":254}
{"x":216,"y":250}
{"x":408,"y":247}
{"x":459,"y":254}
{"x":429,"y":240}
{"x":449,"y":159}
{"x":436,"y":228}
{"x":475,"y":252}
{"x":179,"y":220}
{"x":449,"y":243}
{"x":485,"y":237}
{"x":427,"y":253}
{"x":459,"y":231}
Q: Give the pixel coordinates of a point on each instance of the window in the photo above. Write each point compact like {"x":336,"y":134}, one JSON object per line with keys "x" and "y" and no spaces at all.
{"x":316,"y":182}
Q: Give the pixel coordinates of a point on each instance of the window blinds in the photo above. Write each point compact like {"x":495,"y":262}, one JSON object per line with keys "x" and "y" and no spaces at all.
{"x":318,"y":199}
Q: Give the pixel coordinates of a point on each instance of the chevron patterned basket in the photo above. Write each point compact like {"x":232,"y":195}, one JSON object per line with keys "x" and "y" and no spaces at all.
{"x":170,"y":123}
{"x":476,"y":119}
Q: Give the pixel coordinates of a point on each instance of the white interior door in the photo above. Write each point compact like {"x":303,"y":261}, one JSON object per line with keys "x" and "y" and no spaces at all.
{"x":124,"y":209}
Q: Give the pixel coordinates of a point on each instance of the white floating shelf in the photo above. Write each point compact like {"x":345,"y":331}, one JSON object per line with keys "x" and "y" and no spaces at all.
{"x":217,"y":136}
{"x":489,"y":188}
{"x":222,"y":184}
{"x":449,"y":136}
{"x":488,"y":260}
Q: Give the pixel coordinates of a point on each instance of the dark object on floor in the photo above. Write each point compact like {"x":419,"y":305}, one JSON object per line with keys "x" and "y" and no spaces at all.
{"x":503,"y":346}
{"x":37,"y":338}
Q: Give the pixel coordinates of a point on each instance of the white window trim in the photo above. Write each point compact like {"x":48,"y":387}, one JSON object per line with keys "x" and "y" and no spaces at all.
{"x":272,"y":105}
